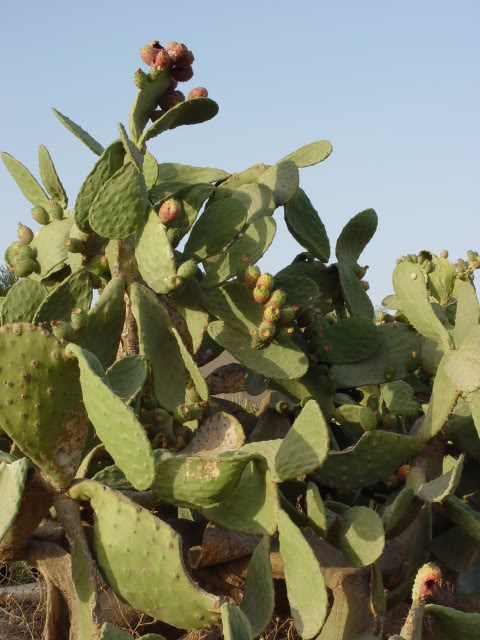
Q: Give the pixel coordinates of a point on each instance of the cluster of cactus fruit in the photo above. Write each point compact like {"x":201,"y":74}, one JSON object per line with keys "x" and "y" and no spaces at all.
{"x":361,"y":465}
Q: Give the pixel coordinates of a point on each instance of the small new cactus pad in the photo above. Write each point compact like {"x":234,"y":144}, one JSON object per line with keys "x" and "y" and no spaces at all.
{"x":50,"y":177}
{"x":310,"y":154}
{"x":27,"y":184}
{"x":305,"y":225}
{"x":355,"y":236}
{"x":258,"y":600}
{"x":131,"y":451}
{"x":80,"y":133}
{"x":13,"y":477}
{"x":306,"y":590}
{"x":135,"y":551}
{"x":41,"y":400}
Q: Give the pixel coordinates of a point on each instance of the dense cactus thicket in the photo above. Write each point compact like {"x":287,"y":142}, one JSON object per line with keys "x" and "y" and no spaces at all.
{"x":133,"y":487}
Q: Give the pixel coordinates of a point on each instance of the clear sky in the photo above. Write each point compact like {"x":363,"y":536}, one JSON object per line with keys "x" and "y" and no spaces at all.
{"x":394,"y":85}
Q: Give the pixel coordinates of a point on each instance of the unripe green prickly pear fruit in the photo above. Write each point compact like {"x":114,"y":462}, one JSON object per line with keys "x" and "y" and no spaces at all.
{"x":306,"y":316}
{"x":63,"y":330}
{"x":54,"y":210}
{"x":18,"y":251}
{"x":182,"y":72}
{"x":271,"y":313}
{"x":389,"y":372}
{"x":266,"y":280}
{"x":427,"y":266}
{"x":444,"y":254}
{"x":98,"y":265}
{"x":24,"y":267}
{"x":261,"y":295}
{"x":174,"y":282}
{"x":40,"y":215}
{"x":169,"y":210}
{"x":284,"y":333}
{"x":287,"y":314}
{"x":74,"y":245}
{"x":198,"y":92}
{"x":421,"y":259}
{"x":461,"y":265}
{"x":187,"y":270}
{"x":140,"y":79}
{"x":182,"y":413}
{"x":24,"y":234}
{"x":251,"y":275}
{"x":471,"y":256}
{"x":78,"y":319}
{"x":413,"y":362}
{"x":365,"y":285}
{"x":278,"y":298}
{"x":174,"y":236}
{"x":266,"y":331}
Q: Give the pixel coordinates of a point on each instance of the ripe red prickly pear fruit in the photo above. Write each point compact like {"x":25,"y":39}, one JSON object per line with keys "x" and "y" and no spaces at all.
{"x":261,"y":295}
{"x":176,"y":51}
{"x":170,"y":210}
{"x":266,"y":280}
{"x":271,"y":314}
{"x":198,"y":92}
{"x":187,"y":270}
{"x":149,"y":52}
{"x":24,"y":234}
{"x":182,"y":73}
{"x":40,"y":215}
{"x":156,"y":115}
{"x":187,"y":58}
{"x":278,"y":299}
{"x":173,"y":85}
{"x":169,"y":100}
{"x":403,"y":472}
{"x":162,"y":60}
{"x":140,"y":79}
{"x":252,"y":274}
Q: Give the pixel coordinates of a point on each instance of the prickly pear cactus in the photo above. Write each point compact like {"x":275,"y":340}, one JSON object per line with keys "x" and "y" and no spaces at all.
{"x":365,"y":426}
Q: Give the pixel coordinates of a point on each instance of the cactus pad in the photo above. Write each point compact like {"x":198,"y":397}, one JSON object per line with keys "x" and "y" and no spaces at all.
{"x":233,"y":303}
{"x":438,"y":489}
{"x":355,"y":236}
{"x":236,"y":625}
{"x":284,"y":361}
{"x":259,"y":594}
{"x":310,"y":154}
{"x":356,"y":299}
{"x":305,"y":225}
{"x":49,"y":245}
{"x":216,"y":434}
{"x":74,"y":291}
{"x":282,"y":179}
{"x":40,"y":397}
{"x":131,"y":151}
{"x":27,"y":184}
{"x":452,"y":624}
{"x":80,"y":133}
{"x":136,"y":551}
{"x":127,"y":377}
{"x":375,"y":456}
{"x":362,"y":537}
{"x":22,"y":301}
{"x":115,"y":423}
{"x":119,"y":206}
{"x":349,"y":340}
{"x":13,"y":477}
{"x":154,"y":254}
{"x":257,"y":199}
{"x":50,"y":178}
{"x":398,"y":397}
{"x":468,"y":310}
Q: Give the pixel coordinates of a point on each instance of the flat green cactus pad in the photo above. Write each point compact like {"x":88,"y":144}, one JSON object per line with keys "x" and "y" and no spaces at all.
{"x":136,"y":551}
{"x":282,"y":179}
{"x":440,"y":488}
{"x":119,"y":206}
{"x":111,"y":632}
{"x":284,"y":361}
{"x":191,"y":367}
{"x":453,"y":624}
{"x":27,"y":184}
{"x":131,"y":151}
{"x":411,"y":290}
{"x":306,"y":590}
{"x":320,"y":518}
{"x":258,"y":200}
{"x":197,"y":481}
{"x":127,"y":377}
{"x":74,"y":291}
{"x":234,"y":304}
{"x":49,"y":244}
{"x":111,"y":160}
{"x":190,"y":307}
{"x":115,"y":423}
{"x":40,"y":398}
{"x":398,"y":397}
{"x":397,"y":343}
{"x":159,"y":345}
{"x":441,"y":279}
{"x":105,"y":323}
{"x":258,"y":600}
{"x":355,"y":297}
{"x":246,"y":249}
{"x":22,"y":301}
{"x":80,"y":133}
{"x":305,"y":446}
{"x":146,"y":102}
{"x":310,"y":154}
{"x":375,"y":456}
{"x":13,"y":477}
{"x":362,"y":537}
{"x":50,"y":177}
{"x":176,"y":172}
{"x":237,"y":180}
{"x":463,"y":366}
{"x":154,"y":254}
{"x":306,"y":227}
{"x":401,"y":512}
{"x":464,"y":516}
{"x":150,"y":170}
{"x":300,"y":290}
{"x":236,"y":625}
{"x":184,"y":113}
{"x":349,"y":340}
{"x":252,"y":507}
{"x":218,"y":225}
{"x":468,"y":310}
{"x":355,"y":236}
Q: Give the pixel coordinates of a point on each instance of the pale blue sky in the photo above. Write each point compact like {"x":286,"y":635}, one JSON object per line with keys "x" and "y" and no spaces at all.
{"x":394,"y":85}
